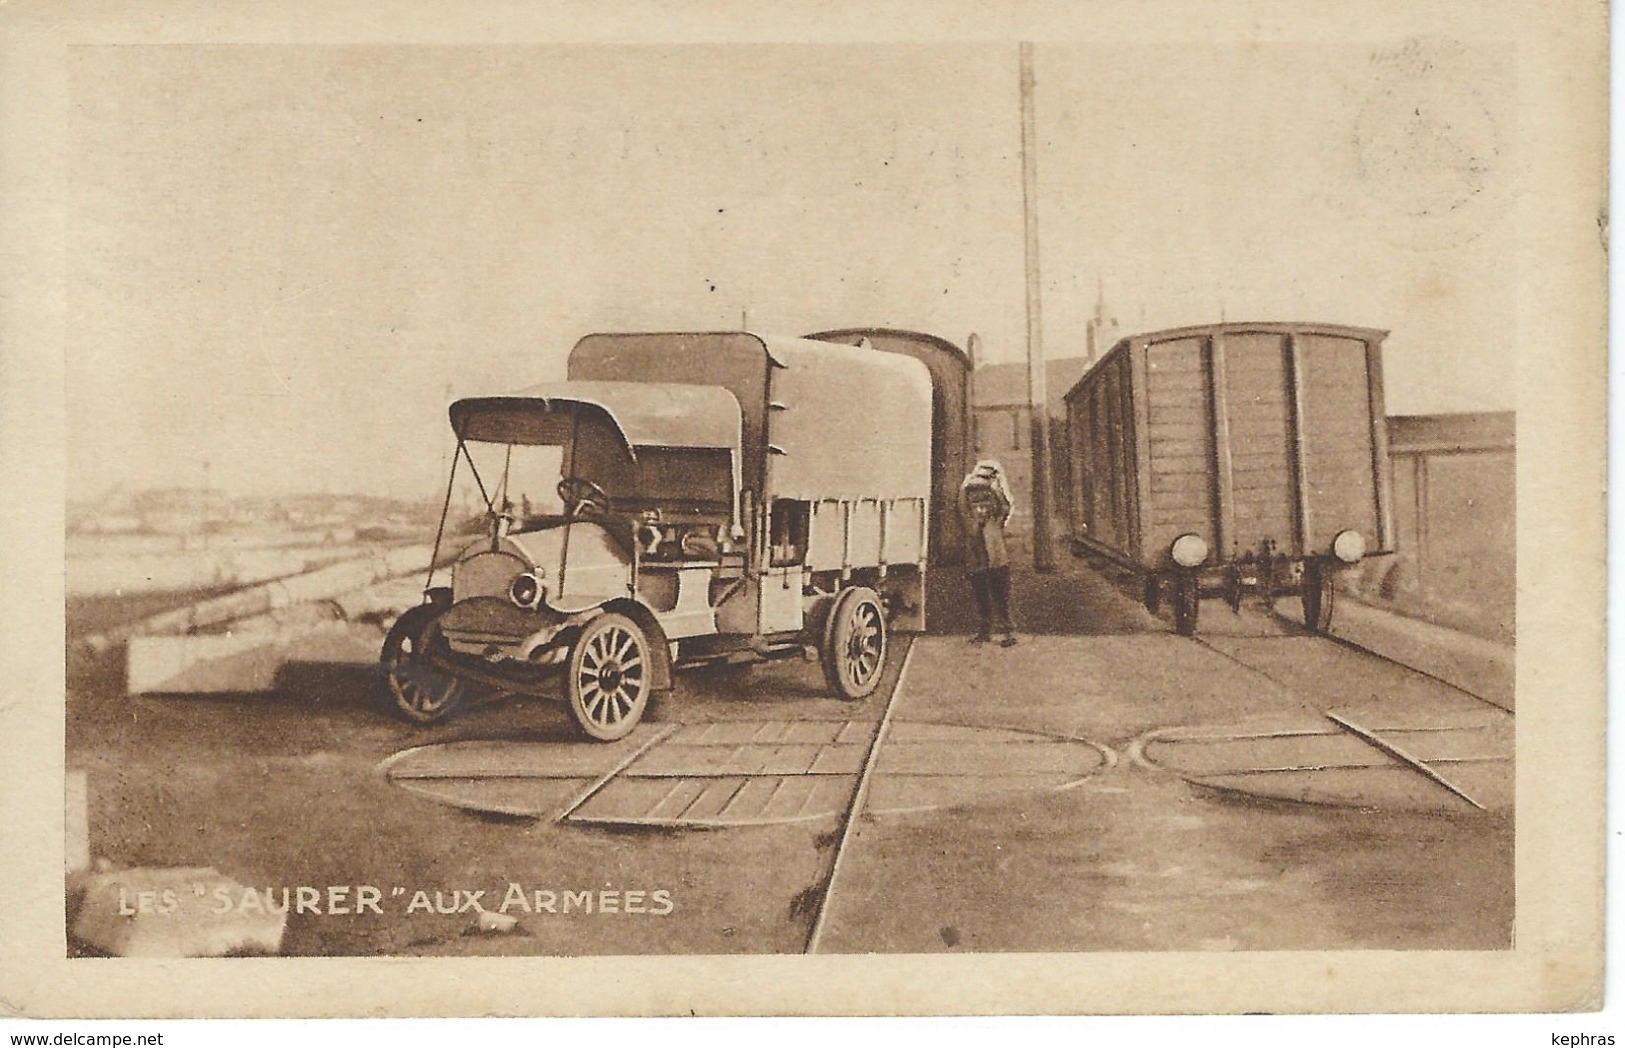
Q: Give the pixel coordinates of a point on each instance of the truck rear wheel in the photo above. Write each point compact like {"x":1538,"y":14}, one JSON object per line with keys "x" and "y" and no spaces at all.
{"x":608,"y":682}
{"x":853,"y":653}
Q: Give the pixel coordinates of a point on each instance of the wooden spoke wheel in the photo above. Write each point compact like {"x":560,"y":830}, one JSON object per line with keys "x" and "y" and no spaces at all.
{"x":608,"y":683}
{"x":1153,"y":594}
{"x":1187,"y":600}
{"x":420,"y":691}
{"x":1317,"y":596}
{"x":1233,"y":588}
{"x":854,"y":649}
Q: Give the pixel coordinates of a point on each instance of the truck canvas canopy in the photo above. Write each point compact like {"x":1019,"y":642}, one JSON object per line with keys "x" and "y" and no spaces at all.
{"x":821,"y":420}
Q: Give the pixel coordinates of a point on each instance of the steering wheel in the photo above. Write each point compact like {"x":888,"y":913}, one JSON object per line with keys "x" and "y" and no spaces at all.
{"x":579,"y":492}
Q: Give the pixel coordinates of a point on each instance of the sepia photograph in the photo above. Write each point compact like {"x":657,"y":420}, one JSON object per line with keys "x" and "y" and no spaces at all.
{"x":930,"y":501}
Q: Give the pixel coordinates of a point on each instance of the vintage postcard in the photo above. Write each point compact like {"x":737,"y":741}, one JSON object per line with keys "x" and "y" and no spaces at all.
{"x":1081,"y":509}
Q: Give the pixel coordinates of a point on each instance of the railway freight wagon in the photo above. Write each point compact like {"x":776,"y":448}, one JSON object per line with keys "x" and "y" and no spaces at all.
{"x":952,"y":441}
{"x":1234,"y":458}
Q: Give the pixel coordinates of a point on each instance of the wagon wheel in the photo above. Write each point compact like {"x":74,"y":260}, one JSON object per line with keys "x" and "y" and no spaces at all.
{"x":1317,"y":597}
{"x":608,"y":683}
{"x":1187,"y":600}
{"x":421,"y":692}
{"x":1153,"y":593}
{"x":854,"y":649}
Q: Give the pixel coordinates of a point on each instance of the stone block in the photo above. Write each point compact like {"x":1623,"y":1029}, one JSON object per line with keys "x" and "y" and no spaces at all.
{"x":240,"y":661}
{"x":185,"y":912}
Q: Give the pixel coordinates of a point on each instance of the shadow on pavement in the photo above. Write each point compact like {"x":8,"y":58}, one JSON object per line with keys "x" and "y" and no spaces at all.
{"x":1074,"y":600}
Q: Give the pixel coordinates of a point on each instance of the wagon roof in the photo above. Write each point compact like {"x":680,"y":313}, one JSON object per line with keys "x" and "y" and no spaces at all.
{"x":1278,"y":327}
{"x":1238,"y":327}
{"x":647,"y":414}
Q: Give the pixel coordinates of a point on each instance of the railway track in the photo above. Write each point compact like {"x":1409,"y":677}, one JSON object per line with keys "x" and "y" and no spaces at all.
{"x":1344,"y":642}
{"x":854,"y":810}
{"x":1385,"y":740}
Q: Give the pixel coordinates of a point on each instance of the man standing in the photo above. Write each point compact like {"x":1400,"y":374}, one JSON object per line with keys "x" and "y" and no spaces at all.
{"x":985,"y":502}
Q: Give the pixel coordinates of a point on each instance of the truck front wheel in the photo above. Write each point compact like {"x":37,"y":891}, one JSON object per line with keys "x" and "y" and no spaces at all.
{"x":608,"y":682}
{"x":419,"y":691}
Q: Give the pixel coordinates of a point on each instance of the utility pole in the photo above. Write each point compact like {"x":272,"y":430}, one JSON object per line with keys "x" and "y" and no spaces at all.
{"x":1037,"y":386}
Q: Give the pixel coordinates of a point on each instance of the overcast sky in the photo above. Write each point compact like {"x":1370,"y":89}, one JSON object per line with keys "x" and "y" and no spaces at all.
{"x":283,"y":259}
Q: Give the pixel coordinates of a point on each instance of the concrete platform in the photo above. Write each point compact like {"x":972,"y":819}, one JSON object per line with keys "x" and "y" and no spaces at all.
{"x":241,"y":662}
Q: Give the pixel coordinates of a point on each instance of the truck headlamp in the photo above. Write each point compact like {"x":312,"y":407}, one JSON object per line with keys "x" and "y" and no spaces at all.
{"x":1188,"y":550}
{"x":526,"y":590}
{"x":1349,"y":546}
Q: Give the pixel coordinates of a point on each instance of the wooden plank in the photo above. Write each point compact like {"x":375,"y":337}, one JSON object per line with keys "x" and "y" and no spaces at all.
{"x":1247,"y":425}
{"x":1182,"y":429}
{"x":1262,"y":481}
{"x":713,"y":800}
{"x":1175,"y":362}
{"x":1263,"y":489}
{"x":679,"y":798}
{"x":790,"y":798}
{"x":1136,"y":412}
{"x":499,"y":759}
{"x":619,"y":766}
{"x":1177,"y":459}
{"x":1247,"y":455}
{"x":813,"y":731}
{"x":625,"y":800}
{"x":750,"y":802}
{"x":1191,"y":498}
{"x":1175,"y":403}
{"x":837,"y":760}
{"x":1167,"y":464}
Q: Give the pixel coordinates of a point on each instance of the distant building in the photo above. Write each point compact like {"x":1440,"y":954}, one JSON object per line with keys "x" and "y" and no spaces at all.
{"x":1454,"y":500}
{"x":1004,"y":426}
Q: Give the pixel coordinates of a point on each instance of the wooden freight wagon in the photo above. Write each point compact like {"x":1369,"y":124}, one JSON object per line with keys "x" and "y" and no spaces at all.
{"x":1233,"y":458}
